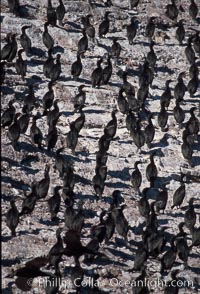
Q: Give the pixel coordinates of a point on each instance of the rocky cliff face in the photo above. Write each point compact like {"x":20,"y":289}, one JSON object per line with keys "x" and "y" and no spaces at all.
{"x":36,"y":233}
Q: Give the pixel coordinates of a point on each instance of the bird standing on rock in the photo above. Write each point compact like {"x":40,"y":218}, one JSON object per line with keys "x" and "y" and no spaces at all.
{"x":131,"y":30}
{"x":47,"y":38}
{"x":14,"y":131}
{"x":51,"y":14}
{"x":60,"y":13}
{"x":25,"y":41}
{"x":136,"y":176}
{"x":150,"y":28}
{"x":172,"y":11}
{"x":104,"y":26}
{"x":20,"y":65}
{"x":97,"y":73}
{"x":179,"y":194}
{"x":12,"y":217}
{"x":35,"y":133}
{"x":76,"y":67}
{"x":9,"y":51}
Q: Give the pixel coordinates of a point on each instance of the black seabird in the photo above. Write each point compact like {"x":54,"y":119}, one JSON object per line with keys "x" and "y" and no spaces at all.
{"x":104,"y":26}
{"x":25,"y":41}
{"x":60,"y":12}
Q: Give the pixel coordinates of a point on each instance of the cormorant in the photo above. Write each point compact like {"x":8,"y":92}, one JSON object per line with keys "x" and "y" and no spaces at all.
{"x":193,"y":71}
{"x":182,"y":248}
{"x":115,"y":49}
{"x":141,"y":257}
{"x":25,"y":41}
{"x":146,"y":75}
{"x":35,"y":133}
{"x":151,"y":169}
{"x":9,"y":51}
{"x":189,"y":51}
{"x":172,"y":11}
{"x":76,"y":67}
{"x":29,"y":201}
{"x":51,"y":14}
{"x":195,"y":232}
{"x":196,"y":42}
{"x":169,"y":257}
{"x":14,"y":131}
{"x":60,"y":162}
{"x":104,"y":25}
{"x":68,"y":177}
{"x":48,"y":98}
{"x":99,"y":231}
{"x":156,"y":242}
{"x":48,"y":64}
{"x":8,"y":115}
{"x":161,"y":199}
{"x":79,"y":122}
{"x":151,"y":56}
{"x":187,"y":149}
{"x":51,"y":138}
{"x":122,"y":102}
{"x":131,"y":122}
{"x":30,"y":99}
{"x":53,"y":115}
{"x":193,"y":123}
{"x":150,"y":28}
{"x":143,"y":204}
{"x":60,"y":12}
{"x":82,"y":44}
{"x":143,"y":93}
{"x":121,"y":223}
{"x":54,"y":256}
{"x":180,"y":32}
{"x":136,"y":176}
{"x":138,"y":135}
{"x":89,"y":28}
{"x":192,"y":86}
{"x":96,"y":76}
{"x":117,"y":199}
{"x":12,"y":217}
{"x":131,"y":30}
{"x":178,"y":113}
{"x":180,"y":88}
{"x":47,"y":38}
{"x":20,"y":65}
{"x":107,"y":72}
{"x":56,"y":69}
{"x":162,"y":118}
{"x":72,"y":138}
{"x":24,"y":119}
{"x":179,"y":194}
{"x":42,"y":187}
{"x":79,"y":100}
{"x":111,"y":127}
{"x":190,"y":215}
{"x":193,"y":10}
{"x":149,"y":131}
